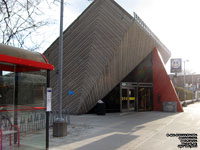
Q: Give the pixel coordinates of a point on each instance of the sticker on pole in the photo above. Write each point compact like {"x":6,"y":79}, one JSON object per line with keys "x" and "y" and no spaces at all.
{"x":70,"y":92}
{"x":49,"y":95}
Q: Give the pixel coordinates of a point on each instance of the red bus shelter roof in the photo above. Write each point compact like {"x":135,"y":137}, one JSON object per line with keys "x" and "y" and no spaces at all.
{"x":24,"y":59}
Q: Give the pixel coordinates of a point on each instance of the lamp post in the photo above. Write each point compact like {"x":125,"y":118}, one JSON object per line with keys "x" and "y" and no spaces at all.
{"x":60,"y":125}
{"x":197,"y":91}
{"x":184,"y":103}
{"x":193,"y":83}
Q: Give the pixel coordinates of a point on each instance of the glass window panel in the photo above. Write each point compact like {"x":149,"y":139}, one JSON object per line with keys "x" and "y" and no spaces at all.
{"x":22,"y":104}
{"x":7,"y":95}
{"x":31,"y":88}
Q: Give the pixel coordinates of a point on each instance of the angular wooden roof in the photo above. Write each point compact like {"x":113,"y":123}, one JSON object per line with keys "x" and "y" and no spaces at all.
{"x":101,"y":47}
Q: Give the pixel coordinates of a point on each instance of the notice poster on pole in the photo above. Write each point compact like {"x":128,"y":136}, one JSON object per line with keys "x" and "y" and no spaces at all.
{"x":49,"y":95}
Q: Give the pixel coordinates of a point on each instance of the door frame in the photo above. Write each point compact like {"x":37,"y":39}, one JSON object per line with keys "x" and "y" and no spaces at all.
{"x":128,"y":98}
{"x":135,"y":86}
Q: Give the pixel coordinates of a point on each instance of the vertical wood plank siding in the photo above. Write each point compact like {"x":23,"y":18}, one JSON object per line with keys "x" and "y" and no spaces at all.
{"x":100,"y":48}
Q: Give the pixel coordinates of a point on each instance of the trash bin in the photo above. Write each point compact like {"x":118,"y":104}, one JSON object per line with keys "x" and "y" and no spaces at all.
{"x":170,"y":106}
{"x":100,"y":108}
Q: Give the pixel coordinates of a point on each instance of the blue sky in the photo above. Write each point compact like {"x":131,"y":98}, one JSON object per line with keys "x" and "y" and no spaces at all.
{"x":175,"y":22}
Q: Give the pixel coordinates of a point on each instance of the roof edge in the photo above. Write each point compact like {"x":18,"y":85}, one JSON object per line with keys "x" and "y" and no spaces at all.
{"x":141,"y":23}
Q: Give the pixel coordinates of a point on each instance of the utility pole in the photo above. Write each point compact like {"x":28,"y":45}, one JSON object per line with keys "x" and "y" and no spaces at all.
{"x":184,"y":103}
{"x":60,"y":126}
{"x":198,"y":79}
{"x":193,"y":85}
{"x":60,"y":60}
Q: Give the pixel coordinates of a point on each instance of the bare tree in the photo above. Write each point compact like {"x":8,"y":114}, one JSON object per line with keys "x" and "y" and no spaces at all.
{"x":19,"y":19}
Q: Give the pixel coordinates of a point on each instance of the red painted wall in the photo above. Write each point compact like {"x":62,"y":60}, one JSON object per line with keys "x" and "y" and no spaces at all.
{"x":162,"y":84}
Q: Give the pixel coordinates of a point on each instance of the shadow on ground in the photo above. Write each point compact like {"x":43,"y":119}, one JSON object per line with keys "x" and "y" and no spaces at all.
{"x":113,"y":130}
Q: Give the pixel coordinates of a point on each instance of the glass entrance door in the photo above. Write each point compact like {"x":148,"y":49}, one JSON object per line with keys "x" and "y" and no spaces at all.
{"x":128,"y":98}
{"x":124,"y":99}
{"x":136,"y":96}
{"x":145,"y":99}
{"x":132,"y":98}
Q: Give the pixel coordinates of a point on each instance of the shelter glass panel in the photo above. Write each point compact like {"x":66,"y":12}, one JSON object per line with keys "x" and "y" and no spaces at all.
{"x":22,"y":108}
{"x":7,"y":97}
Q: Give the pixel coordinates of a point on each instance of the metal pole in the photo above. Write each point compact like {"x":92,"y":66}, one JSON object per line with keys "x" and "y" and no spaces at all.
{"x":60,"y":125}
{"x":120,"y":97}
{"x":197,"y":89}
{"x":184,"y":84}
{"x":192,"y":86}
{"x":60,"y":59}
{"x":192,"y":82}
{"x":47,"y":114}
{"x":184,"y":104}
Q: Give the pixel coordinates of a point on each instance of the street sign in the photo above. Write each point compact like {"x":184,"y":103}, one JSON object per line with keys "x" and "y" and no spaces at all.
{"x":49,"y":94}
{"x":176,"y":65}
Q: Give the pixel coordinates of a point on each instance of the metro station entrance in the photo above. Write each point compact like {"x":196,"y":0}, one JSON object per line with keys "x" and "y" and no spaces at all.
{"x":136,"y":96}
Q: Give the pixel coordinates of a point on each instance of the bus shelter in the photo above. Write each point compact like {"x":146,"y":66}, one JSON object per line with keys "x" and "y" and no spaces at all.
{"x":24,"y":78}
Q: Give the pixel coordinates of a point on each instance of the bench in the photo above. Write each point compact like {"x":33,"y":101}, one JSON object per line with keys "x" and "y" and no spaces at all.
{"x":6,"y":128}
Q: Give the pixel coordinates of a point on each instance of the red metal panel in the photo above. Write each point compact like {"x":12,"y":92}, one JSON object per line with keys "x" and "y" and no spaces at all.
{"x":25,"y":62}
{"x":6,"y":68}
{"x":162,"y":84}
{"x":19,"y":68}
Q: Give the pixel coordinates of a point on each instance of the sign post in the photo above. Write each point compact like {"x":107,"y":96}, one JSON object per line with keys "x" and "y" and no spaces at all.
{"x":48,"y":100}
{"x":49,"y":95}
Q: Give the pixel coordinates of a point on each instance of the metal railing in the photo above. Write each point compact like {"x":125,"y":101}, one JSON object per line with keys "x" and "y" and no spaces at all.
{"x":31,"y":121}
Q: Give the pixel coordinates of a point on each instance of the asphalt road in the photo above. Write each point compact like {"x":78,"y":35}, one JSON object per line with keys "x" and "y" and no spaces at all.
{"x":131,"y":131}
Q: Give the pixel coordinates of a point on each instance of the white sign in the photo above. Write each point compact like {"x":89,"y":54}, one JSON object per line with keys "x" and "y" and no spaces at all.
{"x":176,"y":65}
{"x":123,"y":84}
{"x":49,"y":94}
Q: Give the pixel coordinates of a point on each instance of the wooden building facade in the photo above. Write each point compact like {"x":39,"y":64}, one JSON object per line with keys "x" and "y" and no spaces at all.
{"x":101,"y":47}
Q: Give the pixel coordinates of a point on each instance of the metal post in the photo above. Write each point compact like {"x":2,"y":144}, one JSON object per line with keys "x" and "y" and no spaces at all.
{"x":184,"y":84}
{"x":60,"y":59}
{"x":193,"y":86}
{"x":197,"y":88}
{"x":184,"y":104}
{"x":47,"y":114}
{"x":120,"y":97}
{"x":137,"y":89}
{"x":16,"y":96}
{"x":60,"y":125}
{"x":192,"y":82}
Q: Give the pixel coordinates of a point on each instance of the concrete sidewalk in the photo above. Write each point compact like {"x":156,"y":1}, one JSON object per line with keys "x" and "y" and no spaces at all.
{"x":129,"y":131}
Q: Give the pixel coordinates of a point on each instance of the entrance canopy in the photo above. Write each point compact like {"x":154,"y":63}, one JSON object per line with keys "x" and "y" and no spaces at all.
{"x":23,"y":59}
